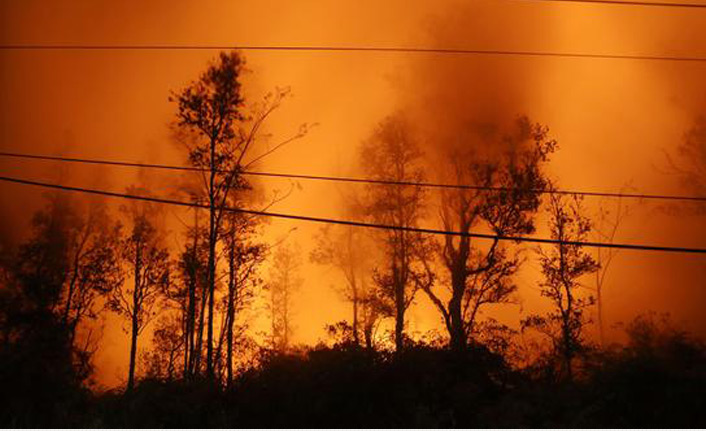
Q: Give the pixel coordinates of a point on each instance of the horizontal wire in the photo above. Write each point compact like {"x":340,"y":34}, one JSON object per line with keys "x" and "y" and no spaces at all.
{"x":626,"y":3}
{"x":361,"y":224}
{"x":357,"y":180}
{"x":407,"y":50}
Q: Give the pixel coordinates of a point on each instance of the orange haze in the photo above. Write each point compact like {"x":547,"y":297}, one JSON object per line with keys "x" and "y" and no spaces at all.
{"x":614,"y":119}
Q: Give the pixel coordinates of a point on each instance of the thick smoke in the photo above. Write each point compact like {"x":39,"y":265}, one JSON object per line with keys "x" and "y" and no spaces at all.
{"x":614,"y":121}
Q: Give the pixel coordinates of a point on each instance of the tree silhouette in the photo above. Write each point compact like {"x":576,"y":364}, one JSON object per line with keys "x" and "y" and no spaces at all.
{"x":244,"y":254}
{"x":40,"y":366}
{"x":480,"y":275}
{"x":349,"y":250}
{"x":223,"y":134}
{"x":563,"y":266}
{"x":606,"y":229}
{"x":71,"y":260}
{"x":165,"y":359}
{"x":192,"y":297}
{"x":149,"y":265}
{"x":392,"y":154}
{"x":688,"y":163}
{"x":284,"y":281}
{"x":44,"y":261}
{"x":95,"y":266}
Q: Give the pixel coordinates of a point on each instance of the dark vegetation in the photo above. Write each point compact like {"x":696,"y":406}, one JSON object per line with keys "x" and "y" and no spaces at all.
{"x":204,"y":369}
{"x":657,"y":380}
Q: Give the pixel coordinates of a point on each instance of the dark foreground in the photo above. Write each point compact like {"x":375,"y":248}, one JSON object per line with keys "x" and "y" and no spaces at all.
{"x":651,"y":383}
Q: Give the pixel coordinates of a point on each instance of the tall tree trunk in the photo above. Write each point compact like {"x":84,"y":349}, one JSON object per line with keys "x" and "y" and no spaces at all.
{"x":212,"y":237}
{"x":356,"y":338}
{"x":568,"y":354}
{"x":599,"y":303}
{"x":189,"y":331}
{"x":368,"y":317}
{"x":185,"y":341}
{"x":229,"y":355}
{"x":354,"y":286}
{"x":285,"y":314}
{"x":456,"y":324}
{"x":568,"y":336}
{"x":198,"y":348}
{"x":133,"y":351}
{"x":70,"y":293}
{"x":368,"y":334}
{"x":211,"y":299}
{"x":276,"y":336}
{"x":136,"y":304}
{"x":231,"y":315}
{"x":74,"y":277}
{"x":399,"y":329}
{"x":458,"y":334}
{"x":192,"y":266}
{"x":399,"y":310}
{"x":218,"y":351}
{"x":356,"y":301}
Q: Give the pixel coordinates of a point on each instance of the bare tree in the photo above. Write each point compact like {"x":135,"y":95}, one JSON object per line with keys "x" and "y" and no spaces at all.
{"x":606,"y":229}
{"x":392,"y":154}
{"x":563,"y":266}
{"x":149,"y":263}
{"x":478,"y":274}
{"x":223,"y":135}
{"x":284,"y":281}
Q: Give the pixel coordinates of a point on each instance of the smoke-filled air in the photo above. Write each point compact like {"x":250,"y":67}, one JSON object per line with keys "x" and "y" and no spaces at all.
{"x":479,"y":213}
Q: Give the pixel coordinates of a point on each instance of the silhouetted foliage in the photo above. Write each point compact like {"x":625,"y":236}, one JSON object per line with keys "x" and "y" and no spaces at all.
{"x":69,"y":262}
{"x":41,"y":373}
{"x":165,"y":360}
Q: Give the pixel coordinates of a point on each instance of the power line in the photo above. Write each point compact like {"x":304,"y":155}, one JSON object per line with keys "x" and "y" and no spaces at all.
{"x":359,"y":224}
{"x":406,"y":50}
{"x":358,"y":180}
{"x":628,"y":3}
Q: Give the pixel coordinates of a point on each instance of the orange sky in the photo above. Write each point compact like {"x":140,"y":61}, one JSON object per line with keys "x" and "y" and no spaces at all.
{"x":613,"y":118}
